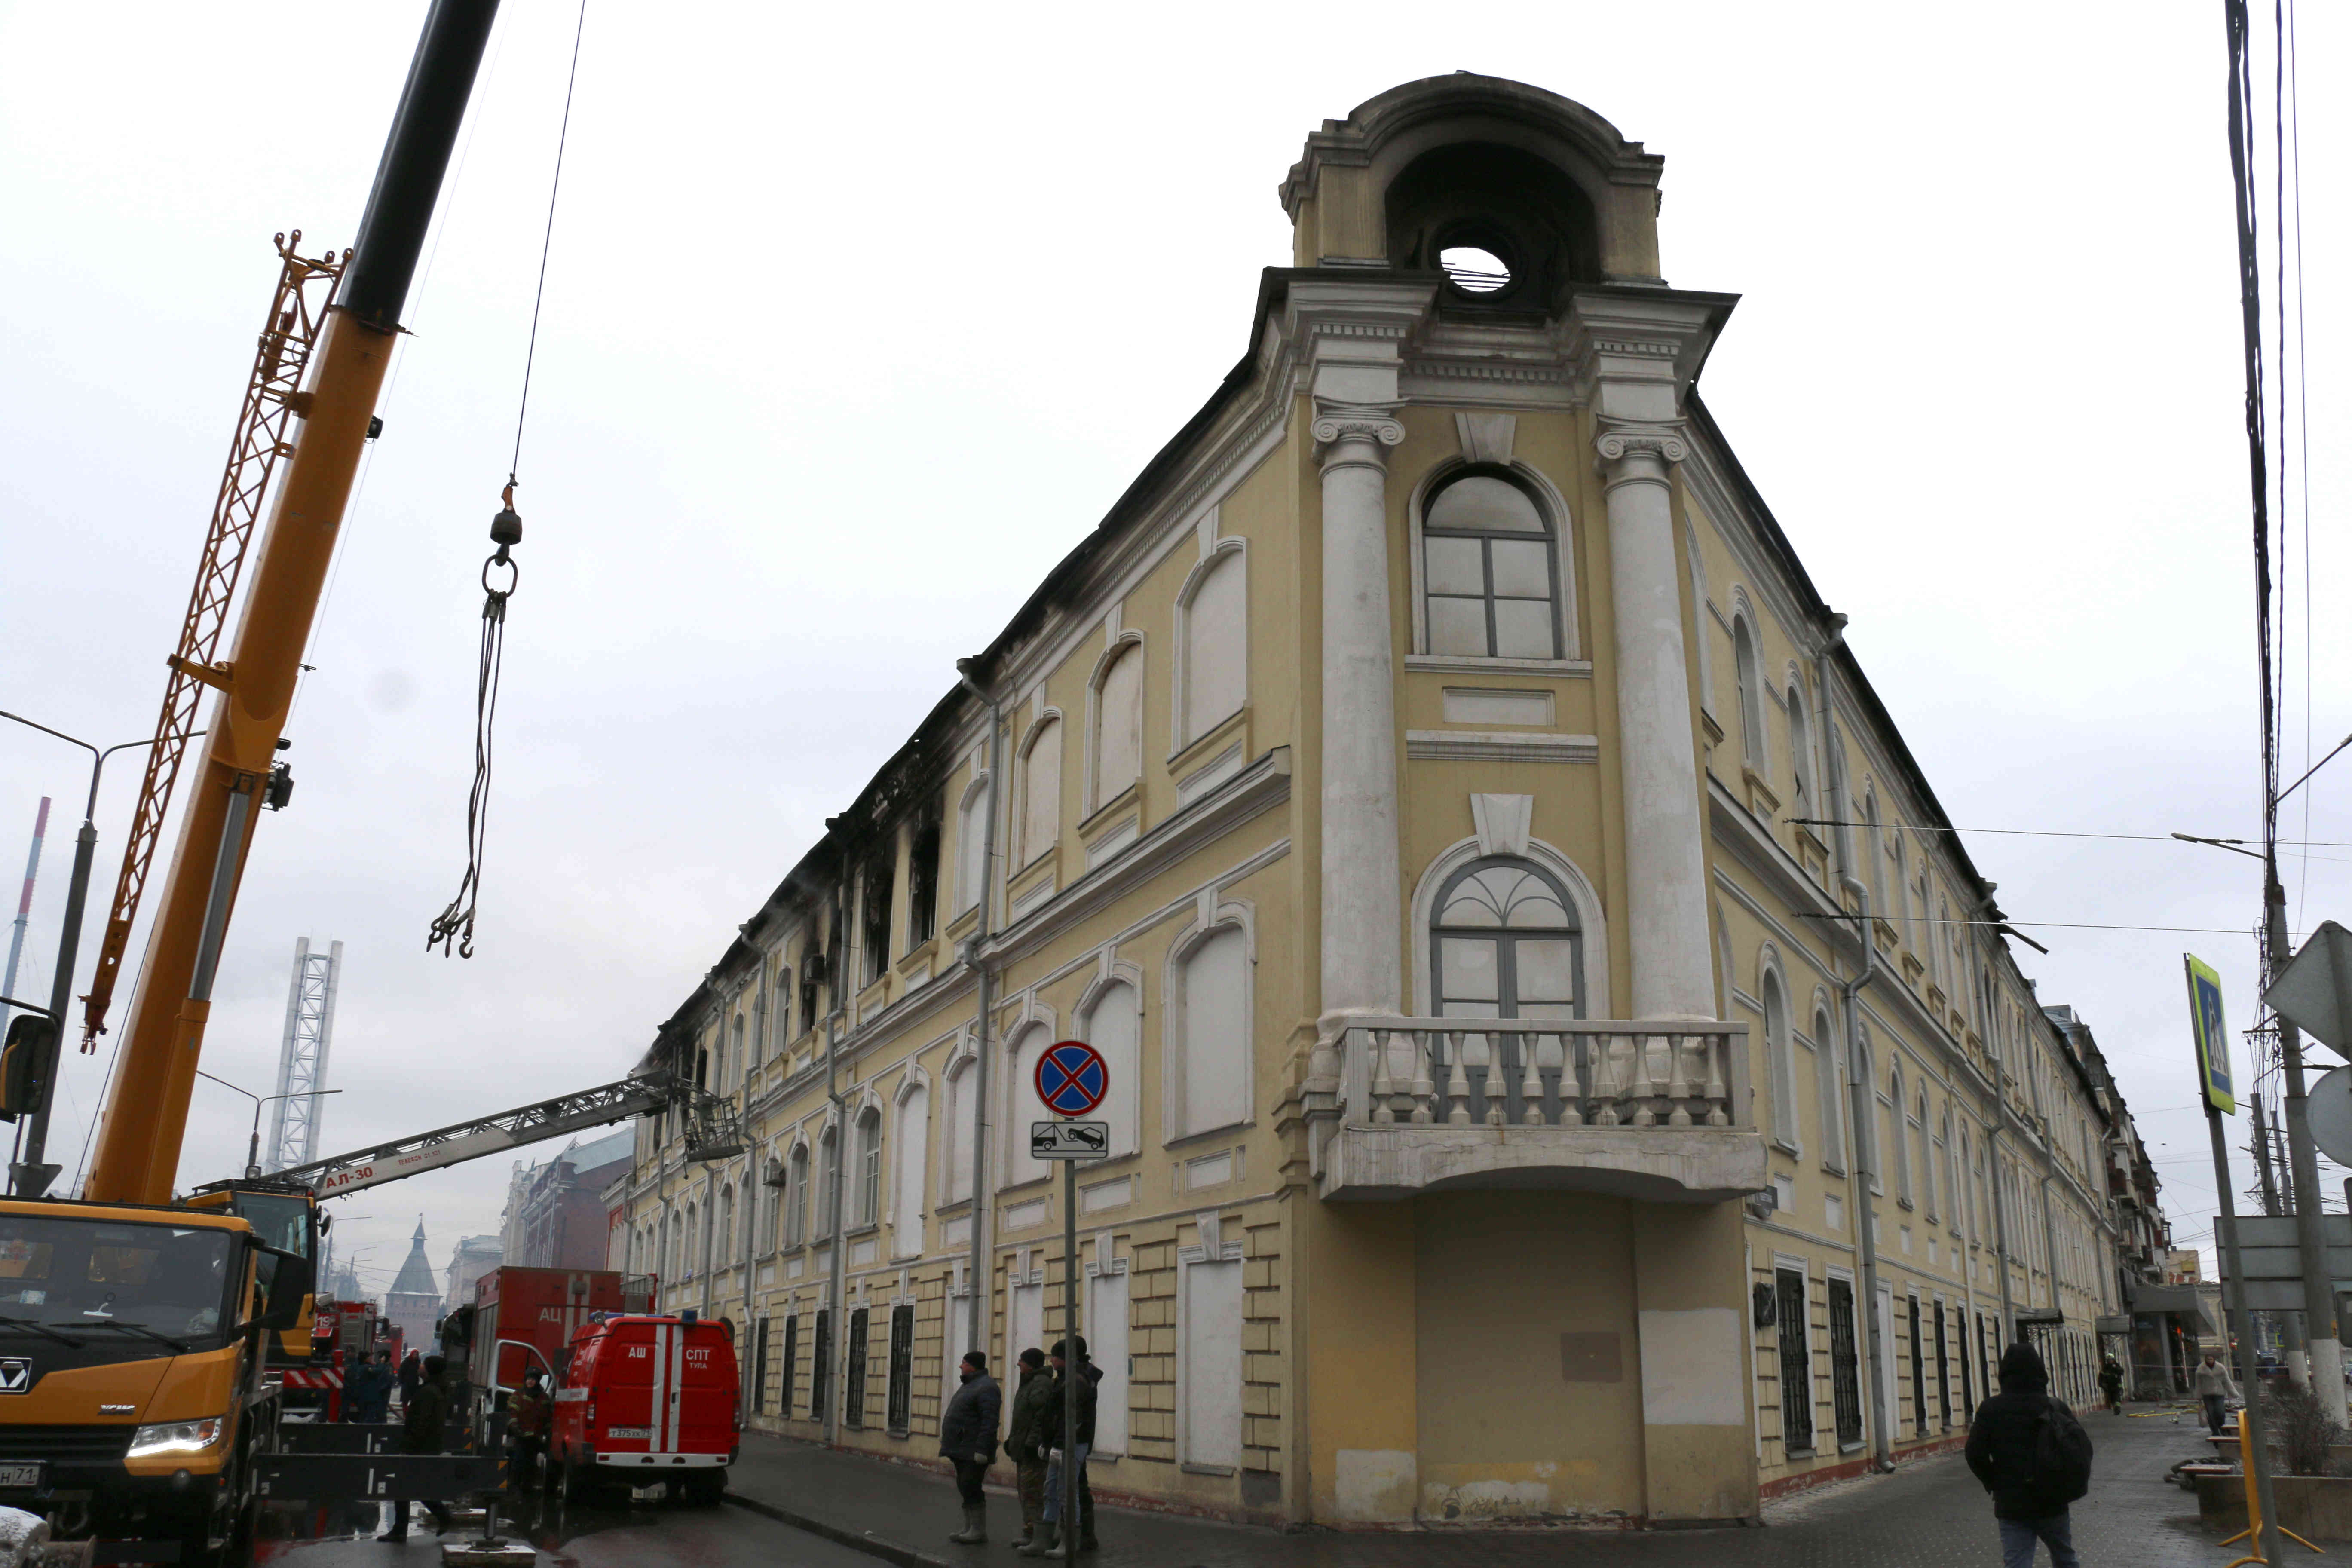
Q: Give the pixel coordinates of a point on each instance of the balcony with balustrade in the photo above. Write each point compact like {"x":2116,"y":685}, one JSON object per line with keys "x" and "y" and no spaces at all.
{"x":1658,"y":1110}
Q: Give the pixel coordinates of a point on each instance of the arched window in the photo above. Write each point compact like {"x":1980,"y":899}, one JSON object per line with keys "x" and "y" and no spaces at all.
{"x":1210,"y":1006}
{"x":1831,"y":1088}
{"x":1866,"y":1131}
{"x":779,"y":1014}
{"x":868,"y":1207}
{"x":907,"y":1177}
{"x":1926,"y":1160}
{"x":1800,"y":754}
{"x":1111,"y":1026}
{"x":961,"y":1077}
{"x":1118,"y":723}
{"x":1752,"y":747}
{"x":1875,"y":851}
{"x":1490,"y":562}
{"x":1040,"y":791}
{"x":1965,"y":1214}
{"x":971,"y":846}
{"x":687,"y":1234}
{"x":828,"y":1167}
{"x":1214,"y":660}
{"x":1897,"y":1144}
{"x":795,"y":1198}
{"x":664,"y":1263}
{"x":710,"y":1215}
{"x":736,"y":1061}
{"x":1021,"y":1060}
{"x":1782,"y":1053}
{"x":726,"y":1232}
{"x":1506,"y":943}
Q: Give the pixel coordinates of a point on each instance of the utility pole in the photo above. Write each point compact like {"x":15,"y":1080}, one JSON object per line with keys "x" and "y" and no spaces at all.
{"x":24,"y":909}
{"x":2326,"y":1352}
{"x":28,"y":1177}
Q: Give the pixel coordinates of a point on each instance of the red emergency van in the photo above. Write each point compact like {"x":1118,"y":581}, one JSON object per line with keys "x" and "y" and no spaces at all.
{"x":645,"y":1399}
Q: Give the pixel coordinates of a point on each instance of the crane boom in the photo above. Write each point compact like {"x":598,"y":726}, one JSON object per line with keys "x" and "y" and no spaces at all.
{"x":145,"y":1119}
{"x":455,"y":1144}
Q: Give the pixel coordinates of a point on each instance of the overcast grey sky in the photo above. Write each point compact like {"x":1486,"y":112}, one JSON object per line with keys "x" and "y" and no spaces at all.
{"x":859,"y":317}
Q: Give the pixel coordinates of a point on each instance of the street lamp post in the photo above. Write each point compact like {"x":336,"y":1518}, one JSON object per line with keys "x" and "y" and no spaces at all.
{"x":253,"y":1146}
{"x":27,"y":1176}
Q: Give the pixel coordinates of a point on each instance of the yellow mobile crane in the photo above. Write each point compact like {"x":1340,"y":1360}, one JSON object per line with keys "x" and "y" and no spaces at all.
{"x":132,"y":1328}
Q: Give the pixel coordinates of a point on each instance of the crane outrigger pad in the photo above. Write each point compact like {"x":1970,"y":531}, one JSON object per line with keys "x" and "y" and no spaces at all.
{"x":376,"y":1478}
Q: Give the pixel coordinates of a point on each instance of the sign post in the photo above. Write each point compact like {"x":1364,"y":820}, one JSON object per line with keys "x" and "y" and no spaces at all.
{"x":1072,"y":1079}
{"x":2215,"y":1087}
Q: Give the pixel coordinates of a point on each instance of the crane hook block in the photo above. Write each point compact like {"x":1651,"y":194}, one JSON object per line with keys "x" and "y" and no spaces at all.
{"x":506,"y":529}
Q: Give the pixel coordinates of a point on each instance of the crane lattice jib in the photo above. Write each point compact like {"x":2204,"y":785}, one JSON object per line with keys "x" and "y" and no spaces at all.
{"x":273,"y":399}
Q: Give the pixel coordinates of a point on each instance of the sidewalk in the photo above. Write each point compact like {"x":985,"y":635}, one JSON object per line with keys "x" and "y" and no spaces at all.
{"x":1928,"y":1515}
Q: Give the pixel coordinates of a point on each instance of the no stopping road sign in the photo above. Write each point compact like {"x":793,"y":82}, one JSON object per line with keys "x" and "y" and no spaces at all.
{"x":1072,"y":1078}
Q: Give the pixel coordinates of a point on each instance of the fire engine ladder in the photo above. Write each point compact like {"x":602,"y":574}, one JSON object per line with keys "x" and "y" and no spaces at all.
{"x":273,"y":399}
{"x":466,"y":1140}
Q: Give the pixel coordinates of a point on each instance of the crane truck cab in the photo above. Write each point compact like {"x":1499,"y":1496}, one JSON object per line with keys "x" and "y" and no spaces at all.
{"x":284,"y":1215}
{"x":132,"y":1394}
{"x":643,"y":1399}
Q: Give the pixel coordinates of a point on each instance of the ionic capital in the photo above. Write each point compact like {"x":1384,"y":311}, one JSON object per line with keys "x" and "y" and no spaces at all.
{"x":1618,"y":441}
{"x":1351,"y":434}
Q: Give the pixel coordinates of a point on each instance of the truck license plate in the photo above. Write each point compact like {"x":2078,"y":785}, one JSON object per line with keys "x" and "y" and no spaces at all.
{"x":21,"y":1477}
{"x":624,"y":1432}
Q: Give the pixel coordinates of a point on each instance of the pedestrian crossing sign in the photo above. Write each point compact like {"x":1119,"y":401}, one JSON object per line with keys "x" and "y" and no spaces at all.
{"x":2212,"y":1037}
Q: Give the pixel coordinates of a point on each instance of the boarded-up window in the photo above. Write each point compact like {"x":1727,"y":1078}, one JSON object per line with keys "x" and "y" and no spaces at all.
{"x":1217,"y":1043}
{"x":1020,"y":1166}
{"x":1110,"y":1028}
{"x":1107,"y":1345}
{"x":907,"y":1180}
{"x":1216,"y":673}
{"x":972,"y":847}
{"x":1118,"y":720}
{"x":1040,"y":791}
{"x":1213,"y":1363}
{"x":961,"y":1080}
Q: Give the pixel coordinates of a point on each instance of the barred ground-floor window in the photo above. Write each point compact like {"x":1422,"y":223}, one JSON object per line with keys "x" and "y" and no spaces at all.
{"x":1796,"y":1363}
{"x":1845,"y":1363}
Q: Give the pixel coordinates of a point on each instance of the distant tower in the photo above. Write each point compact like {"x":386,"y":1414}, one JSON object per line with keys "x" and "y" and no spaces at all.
{"x":303,"y":1059}
{"x":414,"y":1303}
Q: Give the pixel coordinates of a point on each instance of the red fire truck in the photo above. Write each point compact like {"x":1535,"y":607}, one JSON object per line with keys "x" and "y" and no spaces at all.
{"x":343,"y":1333}
{"x":648,"y":1399}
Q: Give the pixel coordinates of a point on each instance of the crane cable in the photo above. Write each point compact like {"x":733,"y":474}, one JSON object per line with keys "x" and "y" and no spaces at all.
{"x":455,"y":924}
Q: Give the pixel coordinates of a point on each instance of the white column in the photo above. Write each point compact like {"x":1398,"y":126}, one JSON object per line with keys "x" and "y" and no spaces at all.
{"x":1362,"y":926}
{"x":1665,"y":862}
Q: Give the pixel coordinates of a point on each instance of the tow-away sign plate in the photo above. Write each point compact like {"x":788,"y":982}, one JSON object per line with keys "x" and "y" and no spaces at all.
{"x":1069,"y":1140}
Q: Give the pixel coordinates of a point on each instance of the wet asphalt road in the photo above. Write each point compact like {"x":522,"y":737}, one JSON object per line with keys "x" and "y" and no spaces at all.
{"x":647,"y":1535}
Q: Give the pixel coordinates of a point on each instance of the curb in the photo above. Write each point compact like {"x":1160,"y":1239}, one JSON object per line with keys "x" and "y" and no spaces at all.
{"x":871,"y":1544}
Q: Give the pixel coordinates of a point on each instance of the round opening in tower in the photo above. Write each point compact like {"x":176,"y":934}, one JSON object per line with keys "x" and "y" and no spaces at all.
{"x":1474,"y":270}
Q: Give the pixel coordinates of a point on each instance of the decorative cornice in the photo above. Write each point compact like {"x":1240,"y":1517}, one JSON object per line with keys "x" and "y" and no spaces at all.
{"x":1499,"y":746}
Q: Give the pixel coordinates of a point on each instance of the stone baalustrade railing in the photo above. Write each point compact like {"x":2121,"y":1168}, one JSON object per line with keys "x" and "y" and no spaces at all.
{"x":1658,"y":1109}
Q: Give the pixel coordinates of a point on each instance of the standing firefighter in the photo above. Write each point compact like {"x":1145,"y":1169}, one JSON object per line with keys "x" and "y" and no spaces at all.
{"x":1035,"y":1417}
{"x":425,"y":1417}
{"x":1072,"y":1445}
{"x":2034,"y":1457}
{"x":967,"y":1440}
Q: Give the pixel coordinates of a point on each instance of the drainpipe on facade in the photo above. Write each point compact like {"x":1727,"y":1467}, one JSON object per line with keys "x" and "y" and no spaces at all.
{"x":837,"y":1287}
{"x":1992,"y":1165}
{"x":977,"y":1305}
{"x":1858,"y":1087}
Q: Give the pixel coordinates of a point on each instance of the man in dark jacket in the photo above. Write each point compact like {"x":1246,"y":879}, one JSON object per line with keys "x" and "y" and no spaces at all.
{"x":410,"y":1375}
{"x":1034,"y":1418}
{"x":2001,"y":1452}
{"x":424,"y":1416}
{"x":967,"y":1440}
{"x":1070,"y":1459}
{"x":367,"y":1390}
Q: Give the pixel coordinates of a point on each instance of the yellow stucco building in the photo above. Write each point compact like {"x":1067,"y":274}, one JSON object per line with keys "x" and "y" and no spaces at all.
{"x":1563,"y":1064}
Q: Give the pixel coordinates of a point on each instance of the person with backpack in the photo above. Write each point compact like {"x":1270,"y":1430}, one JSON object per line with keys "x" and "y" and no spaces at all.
{"x":2035,"y":1459}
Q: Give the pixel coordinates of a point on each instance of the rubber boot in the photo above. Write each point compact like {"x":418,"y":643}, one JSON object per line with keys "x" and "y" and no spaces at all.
{"x":1044,"y":1544}
{"x":975,"y":1526}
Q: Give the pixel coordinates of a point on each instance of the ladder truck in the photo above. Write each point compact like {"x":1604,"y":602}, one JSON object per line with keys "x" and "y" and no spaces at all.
{"x":135,"y":1330}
